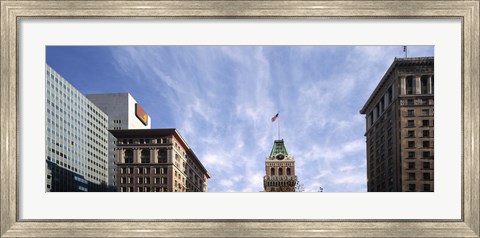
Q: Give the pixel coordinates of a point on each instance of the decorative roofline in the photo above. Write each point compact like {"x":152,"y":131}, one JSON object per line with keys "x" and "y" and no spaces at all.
{"x":396,"y":63}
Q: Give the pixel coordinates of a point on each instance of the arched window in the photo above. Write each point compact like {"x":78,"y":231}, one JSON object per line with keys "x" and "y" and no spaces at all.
{"x":145,"y":156}
{"x":280,"y":171}
{"x":288,"y":171}
{"x":272,"y":171}
{"x":162,"y":156}
{"x":128,"y":156}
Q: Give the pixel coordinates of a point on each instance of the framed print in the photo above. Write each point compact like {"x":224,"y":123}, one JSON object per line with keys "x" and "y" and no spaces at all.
{"x":31,"y":28}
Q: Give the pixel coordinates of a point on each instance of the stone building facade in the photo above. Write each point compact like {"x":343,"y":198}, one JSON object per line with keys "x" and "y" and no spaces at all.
{"x":157,"y":160}
{"x":279,"y":170}
{"x":400,"y":128}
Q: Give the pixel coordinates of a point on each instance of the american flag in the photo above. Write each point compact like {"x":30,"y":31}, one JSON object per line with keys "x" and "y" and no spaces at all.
{"x":274,"y":117}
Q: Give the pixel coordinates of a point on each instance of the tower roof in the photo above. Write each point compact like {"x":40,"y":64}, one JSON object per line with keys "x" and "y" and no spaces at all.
{"x":279,"y":147}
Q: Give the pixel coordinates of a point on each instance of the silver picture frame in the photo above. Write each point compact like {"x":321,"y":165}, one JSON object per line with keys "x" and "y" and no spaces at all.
{"x":13,"y":11}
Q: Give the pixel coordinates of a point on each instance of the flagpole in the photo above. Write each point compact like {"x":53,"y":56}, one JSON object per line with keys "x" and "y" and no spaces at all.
{"x":278,"y":128}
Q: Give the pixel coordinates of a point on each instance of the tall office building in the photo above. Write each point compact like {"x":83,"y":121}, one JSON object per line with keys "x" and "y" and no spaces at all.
{"x":123,"y":112}
{"x":399,"y":122}
{"x":76,"y":139}
{"x":157,"y":160}
{"x":279,"y":170}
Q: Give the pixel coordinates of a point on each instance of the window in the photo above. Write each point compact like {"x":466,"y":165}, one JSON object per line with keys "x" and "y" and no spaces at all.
{"x":410,"y":123}
{"x":411,"y":133}
{"x":129,"y":156}
{"x":140,"y":180}
{"x":424,"y":101}
{"x":162,"y":156}
{"x":426,"y":176}
{"x":424,"y":84}
{"x":288,"y":171}
{"x":410,"y":113}
{"x":390,"y":94}
{"x":426,"y":187}
{"x":409,"y":85}
{"x":272,"y":171}
{"x":411,"y":165}
{"x":426,"y":165}
{"x":145,"y":156}
{"x":426,"y":154}
{"x":411,"y":144}
{"x":410,"y":102}
{"x":425,"y":123}
{"x":411,"y":176}
{"x":411,"y":187}
{"x":280,"y":171}
{"x":370,"y":116}
{"x":425,"y":112}
{"x":426,"y":133}
{"x":411,"y":154}
{"x":426,"y":144}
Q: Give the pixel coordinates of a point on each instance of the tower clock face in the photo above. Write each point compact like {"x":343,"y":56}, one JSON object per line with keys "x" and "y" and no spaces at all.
{"x":280,"y":156}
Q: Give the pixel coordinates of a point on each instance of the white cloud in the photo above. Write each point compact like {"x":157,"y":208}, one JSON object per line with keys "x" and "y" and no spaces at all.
{"x":352,"y":179}
{"x":217,"y":161}
{"x":222,"y":98}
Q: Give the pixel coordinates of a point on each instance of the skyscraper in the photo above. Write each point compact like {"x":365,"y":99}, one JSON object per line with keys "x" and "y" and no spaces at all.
{"x":399,"y":128}
{"x":279,"y":170}
{"x":157,"y":160}
{"x":76,"y":139}
{"x":123,"y":112}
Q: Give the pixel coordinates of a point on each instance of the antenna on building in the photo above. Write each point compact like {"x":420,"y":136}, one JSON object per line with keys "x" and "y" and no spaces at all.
{"x":405,"y":50}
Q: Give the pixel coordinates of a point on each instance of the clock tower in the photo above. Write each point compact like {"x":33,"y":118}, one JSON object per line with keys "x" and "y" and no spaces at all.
{"x":279,"y":170}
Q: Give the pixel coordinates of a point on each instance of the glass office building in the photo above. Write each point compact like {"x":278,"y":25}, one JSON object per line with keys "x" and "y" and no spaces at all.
{"x":76,"y":139}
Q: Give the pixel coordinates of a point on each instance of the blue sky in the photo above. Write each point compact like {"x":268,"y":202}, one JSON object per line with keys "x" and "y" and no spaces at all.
{"x":222,"y":99}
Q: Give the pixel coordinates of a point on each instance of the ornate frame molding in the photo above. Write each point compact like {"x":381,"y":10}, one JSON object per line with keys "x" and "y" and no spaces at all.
{"x":468,"y":11}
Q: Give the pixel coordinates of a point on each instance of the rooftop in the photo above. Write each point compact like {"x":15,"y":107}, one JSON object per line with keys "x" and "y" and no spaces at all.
{"x":397,"y":62}
{"x":278,"y":148}
{"x":159,"y":132}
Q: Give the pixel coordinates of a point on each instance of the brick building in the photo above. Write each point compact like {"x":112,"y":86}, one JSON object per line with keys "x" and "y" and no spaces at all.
{"x":157,"y":160}
{"x":399,"y":128}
